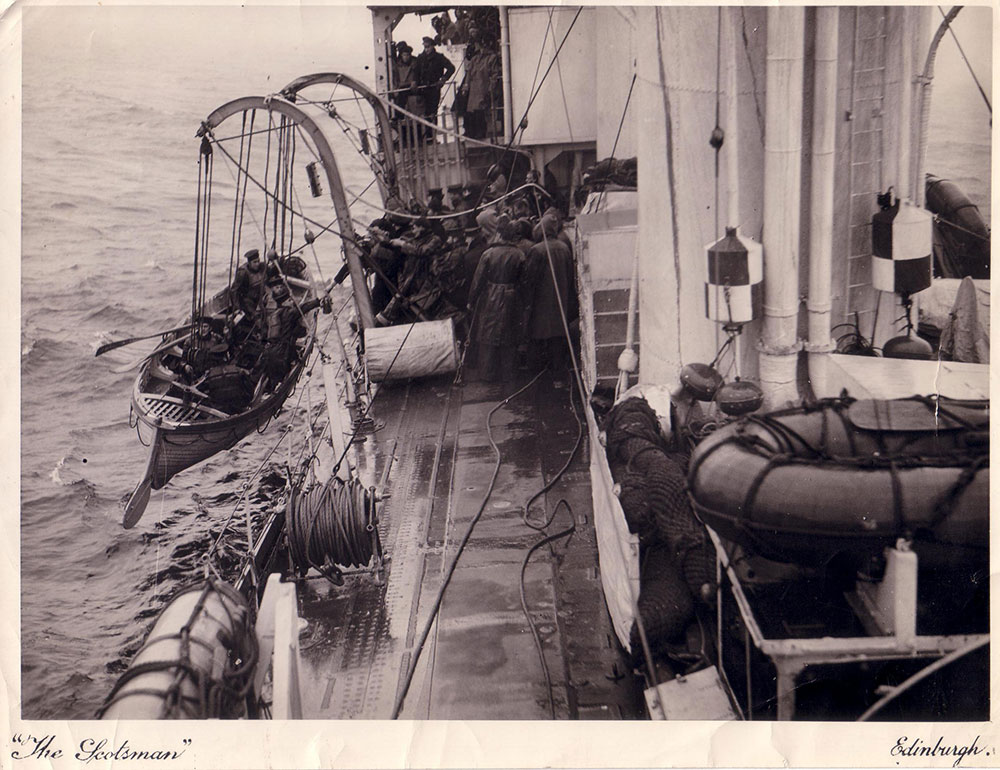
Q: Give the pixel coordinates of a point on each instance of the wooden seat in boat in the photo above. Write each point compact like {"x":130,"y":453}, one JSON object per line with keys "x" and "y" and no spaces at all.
{"x":176,"y":411}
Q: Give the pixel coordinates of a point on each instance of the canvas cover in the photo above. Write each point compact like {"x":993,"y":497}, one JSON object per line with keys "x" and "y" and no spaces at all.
{"x":420,"y":349}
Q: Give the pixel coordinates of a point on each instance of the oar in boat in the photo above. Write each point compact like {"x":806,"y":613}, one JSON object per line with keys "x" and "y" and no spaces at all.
{"x":122,"y":343}
{"x":158,"y":349}
{"x":137,"y":502}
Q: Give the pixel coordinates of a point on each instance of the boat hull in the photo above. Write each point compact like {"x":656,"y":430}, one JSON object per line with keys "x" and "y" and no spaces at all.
{"x":183,"y":446}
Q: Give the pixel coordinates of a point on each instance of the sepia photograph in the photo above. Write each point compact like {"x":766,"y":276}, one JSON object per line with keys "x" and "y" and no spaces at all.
{"x":456,"y":369}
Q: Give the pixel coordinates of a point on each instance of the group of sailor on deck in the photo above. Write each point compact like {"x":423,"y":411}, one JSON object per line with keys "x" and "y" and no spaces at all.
{"x":505,"y":276}
{"x":418,"y":80}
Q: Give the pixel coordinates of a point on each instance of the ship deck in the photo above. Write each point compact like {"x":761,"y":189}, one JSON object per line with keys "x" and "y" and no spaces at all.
{"x":480,"y":659}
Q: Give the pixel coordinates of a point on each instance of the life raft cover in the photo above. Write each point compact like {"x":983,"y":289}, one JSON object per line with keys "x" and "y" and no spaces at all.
{"x":404,"y":351}
{"x":805,"y":484}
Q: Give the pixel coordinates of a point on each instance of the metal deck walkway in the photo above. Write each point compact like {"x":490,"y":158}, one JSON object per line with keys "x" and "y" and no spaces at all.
{"x":480,"y":660}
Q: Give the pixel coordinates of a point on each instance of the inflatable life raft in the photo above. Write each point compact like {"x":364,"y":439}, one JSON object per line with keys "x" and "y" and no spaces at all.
{"x":803,"y":485}
{"x":961,"y":238}
{"x":196,"y":663}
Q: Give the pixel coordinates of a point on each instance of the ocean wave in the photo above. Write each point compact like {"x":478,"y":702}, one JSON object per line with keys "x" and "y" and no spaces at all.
{"x":68,"y":472}
{"x":114,"y":312}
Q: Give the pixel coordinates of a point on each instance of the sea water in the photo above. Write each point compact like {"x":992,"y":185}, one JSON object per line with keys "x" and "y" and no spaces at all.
{"x":112,"y":98}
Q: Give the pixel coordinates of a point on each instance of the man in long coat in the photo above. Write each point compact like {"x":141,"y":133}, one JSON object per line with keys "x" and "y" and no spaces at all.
{"x":496,"y":304}
{"x":406,"y":90}
{"x":433,"y":71}
{"x":545,"y":332}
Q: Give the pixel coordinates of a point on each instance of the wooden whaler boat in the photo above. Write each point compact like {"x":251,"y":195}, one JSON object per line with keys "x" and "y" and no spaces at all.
{"x":226,"y":373}
{"x":185,"y":424}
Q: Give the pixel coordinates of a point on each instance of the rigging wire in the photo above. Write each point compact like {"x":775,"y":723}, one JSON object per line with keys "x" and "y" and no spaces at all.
{"x":522,"y":124}
{"x":243,"y":195}
{"x":621,"y":124}
{"x":267,"y":170}
{"x":578,"y":379}
{"x":524,"y":600}
{"x":541,"y":51}
{"x":246,"y":485}
{"x":548,"y":539}
{"x":234,"y":241}
{"x":982,"y":93}
{"x":395,"y":213}
{"x":562,"y":92}
{"x":942,"y":221}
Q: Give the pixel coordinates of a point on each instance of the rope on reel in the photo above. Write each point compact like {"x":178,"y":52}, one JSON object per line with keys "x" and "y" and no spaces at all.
{"x":333,"y":525}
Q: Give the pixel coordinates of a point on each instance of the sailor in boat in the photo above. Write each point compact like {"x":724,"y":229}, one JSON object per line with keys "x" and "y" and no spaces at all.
{"x":433,"y":69}
{"x":284,"y":328}
{"x":248,"y":284}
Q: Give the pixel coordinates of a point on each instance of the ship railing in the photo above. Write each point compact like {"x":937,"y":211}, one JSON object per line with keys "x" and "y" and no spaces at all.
{"x":891,"y":610}
{"x":429,"y":157}
{"x":277,"y":630}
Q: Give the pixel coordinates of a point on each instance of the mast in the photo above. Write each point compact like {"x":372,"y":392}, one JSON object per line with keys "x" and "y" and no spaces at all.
{"x":352,"y":252}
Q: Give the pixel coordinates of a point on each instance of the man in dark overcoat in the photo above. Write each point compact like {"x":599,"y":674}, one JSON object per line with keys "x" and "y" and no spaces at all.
{"x":545,"y":331}
{"x":496,"y":304}
{"x":433,"y":71}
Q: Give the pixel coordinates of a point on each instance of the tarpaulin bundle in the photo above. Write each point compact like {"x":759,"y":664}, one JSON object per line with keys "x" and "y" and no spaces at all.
{"x":665,"y":602}
{"x":654,"y":493}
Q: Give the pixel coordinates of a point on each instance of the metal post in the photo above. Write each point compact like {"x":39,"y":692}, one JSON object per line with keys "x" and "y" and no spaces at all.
{"x":508,"y":99}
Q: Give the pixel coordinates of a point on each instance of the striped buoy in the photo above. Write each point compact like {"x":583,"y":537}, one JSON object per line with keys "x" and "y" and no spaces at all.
{"x":902,"y":237}
{"x":734,"y":286}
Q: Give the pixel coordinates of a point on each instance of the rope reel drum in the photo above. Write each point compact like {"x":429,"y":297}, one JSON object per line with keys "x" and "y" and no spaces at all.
{"x":334,"y":525}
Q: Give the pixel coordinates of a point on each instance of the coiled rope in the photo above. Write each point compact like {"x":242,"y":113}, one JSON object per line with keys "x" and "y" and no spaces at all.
{"x":333,"y":524}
